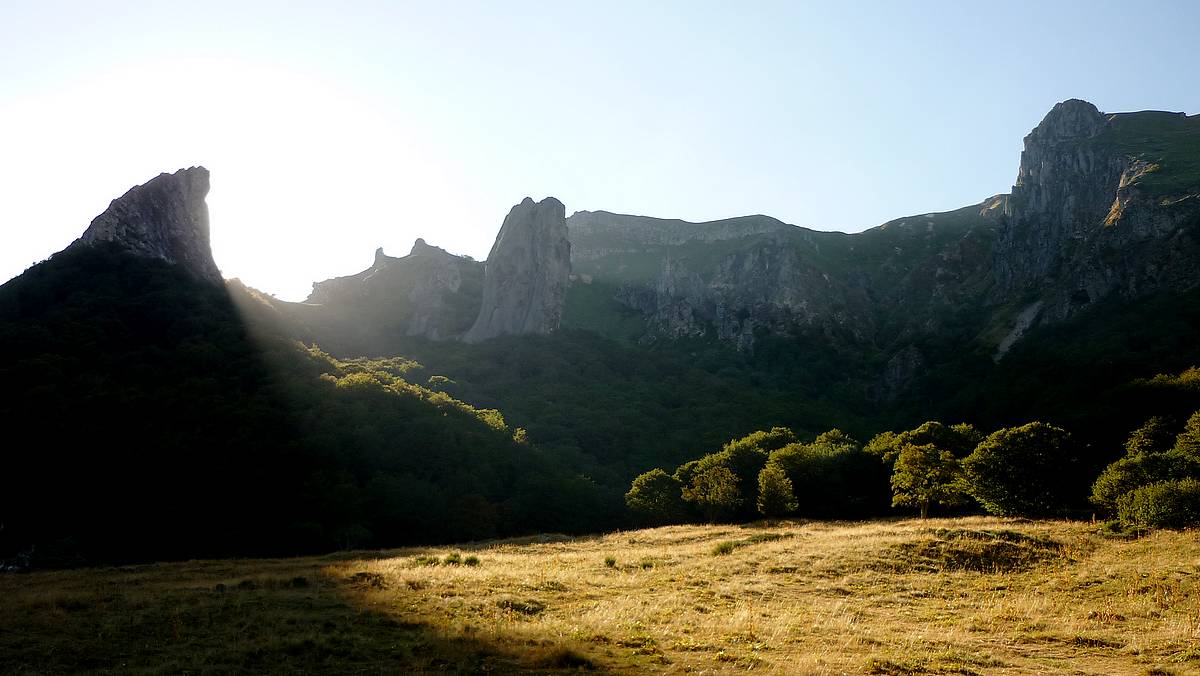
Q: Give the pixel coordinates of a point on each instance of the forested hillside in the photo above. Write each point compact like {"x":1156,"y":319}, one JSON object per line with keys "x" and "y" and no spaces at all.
{"x":147,"y":420}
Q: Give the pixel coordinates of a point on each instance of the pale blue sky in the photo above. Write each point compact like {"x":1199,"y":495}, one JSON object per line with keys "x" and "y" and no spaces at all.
{"x":333,"y":128}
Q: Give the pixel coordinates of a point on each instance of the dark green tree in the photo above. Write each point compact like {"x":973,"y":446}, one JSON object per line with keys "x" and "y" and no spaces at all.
{"x":1150,"y":458}
{"x":1188,"y":441}
{"x":959,"y":439}
{"x":715,"y":492}
{"x":1019,"y":470}
{"x":926,"y":475}
{"x":656,"y":497}
{"x":775,"y":496}
{"x":1156,"y":435}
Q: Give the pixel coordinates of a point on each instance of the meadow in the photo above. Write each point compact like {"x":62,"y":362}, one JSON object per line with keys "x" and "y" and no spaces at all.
{"x":940,"y":596}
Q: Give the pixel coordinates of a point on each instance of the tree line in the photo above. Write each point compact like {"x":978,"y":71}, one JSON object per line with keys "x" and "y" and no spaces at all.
{"x":1013,"y":471}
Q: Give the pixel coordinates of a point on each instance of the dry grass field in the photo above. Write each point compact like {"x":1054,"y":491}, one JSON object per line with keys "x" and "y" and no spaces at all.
{"x":954,"y":596}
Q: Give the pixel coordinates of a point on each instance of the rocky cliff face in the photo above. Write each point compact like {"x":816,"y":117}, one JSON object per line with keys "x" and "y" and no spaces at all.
{"x":429,"y":293}
{"x":1103,"y":204}
{"x":790,"y":278}
{"x":1090,"y":215}
{"x":166,"y":218}
{"x":526,"y":274}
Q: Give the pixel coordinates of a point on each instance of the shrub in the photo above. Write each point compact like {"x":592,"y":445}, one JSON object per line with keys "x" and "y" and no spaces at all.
{"x":453,"y":559}
{"x":610,"y":562}
{"x":723,"y":548}
{"x":1134,"y":471}
{"x":1166,"y":504}
{"x":471,"y":560}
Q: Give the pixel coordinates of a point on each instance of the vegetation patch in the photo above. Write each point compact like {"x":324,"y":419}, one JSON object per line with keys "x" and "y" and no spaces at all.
{"x":642,"y":644}
{"x":564,"y":658}
{"x":522,"y":606}
{"x":980,"y":551}
{"x":366,"y":580}
{"x":727,"y":546}
{"x":894,"y":667}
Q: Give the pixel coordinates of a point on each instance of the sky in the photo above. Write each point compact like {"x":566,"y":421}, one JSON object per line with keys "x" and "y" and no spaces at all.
{"x":331,"y":129}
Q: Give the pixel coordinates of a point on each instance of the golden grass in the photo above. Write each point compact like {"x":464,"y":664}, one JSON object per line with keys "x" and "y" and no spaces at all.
{"x":953,"y":596}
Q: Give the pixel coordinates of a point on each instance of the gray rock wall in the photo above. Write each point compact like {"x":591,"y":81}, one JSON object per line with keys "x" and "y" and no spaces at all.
{"x":526,"y":273}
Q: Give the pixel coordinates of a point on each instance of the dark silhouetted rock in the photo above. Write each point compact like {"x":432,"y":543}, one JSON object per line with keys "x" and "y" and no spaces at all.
{"x":166,"y":218}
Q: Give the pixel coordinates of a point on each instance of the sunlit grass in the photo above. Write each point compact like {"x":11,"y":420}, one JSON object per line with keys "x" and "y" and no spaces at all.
{"x":976,"y":595}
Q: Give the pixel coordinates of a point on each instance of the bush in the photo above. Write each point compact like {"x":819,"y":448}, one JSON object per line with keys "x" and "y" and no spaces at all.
{"x":1134,"y":471}
{"x":610,"y":562}
{"x":1166,"y":504}
{"x":453,"y":559}
{"x":471,"y":560}
{"x":723,"y":548}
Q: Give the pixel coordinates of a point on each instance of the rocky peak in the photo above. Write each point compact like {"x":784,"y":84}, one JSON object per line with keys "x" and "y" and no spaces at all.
{"x":165,"y":218}
{"x":1064,"y":190}
{"x":1063,"y":179}
{"x":420,"y":248}
{"x":526,"y":274}
{"x":1070,"y":119}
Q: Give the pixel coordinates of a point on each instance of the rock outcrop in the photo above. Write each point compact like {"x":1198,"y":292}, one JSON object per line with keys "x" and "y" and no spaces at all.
{"x":1085,"y":219}
{"x":526,"y":273}
{"x":165,"y":218}
{"x":429,"y":293}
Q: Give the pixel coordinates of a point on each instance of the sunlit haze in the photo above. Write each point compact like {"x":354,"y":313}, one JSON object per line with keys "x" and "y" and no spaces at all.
{"x":333,"y":129}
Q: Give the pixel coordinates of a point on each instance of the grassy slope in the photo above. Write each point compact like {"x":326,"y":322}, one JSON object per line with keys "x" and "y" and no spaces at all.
{"x":975,"y":595}
{"x":1171,"y":141}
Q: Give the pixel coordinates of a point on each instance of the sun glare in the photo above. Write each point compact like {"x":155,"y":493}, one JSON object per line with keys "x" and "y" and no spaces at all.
{"x":306,"y":174}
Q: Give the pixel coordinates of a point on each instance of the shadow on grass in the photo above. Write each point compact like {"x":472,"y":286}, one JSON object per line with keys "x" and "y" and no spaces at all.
{"x":239,"y":617}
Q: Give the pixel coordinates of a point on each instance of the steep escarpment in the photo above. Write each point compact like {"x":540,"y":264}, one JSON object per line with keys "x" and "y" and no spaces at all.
{"x":1103,"y":205}
{"x":790,"y":278}
{"x":166,"y":218}
{"x":526,"y":274}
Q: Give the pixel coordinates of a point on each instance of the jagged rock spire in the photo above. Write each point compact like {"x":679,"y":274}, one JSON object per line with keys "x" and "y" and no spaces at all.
{"x":527,"y":272}
{"x":165,"y":218}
